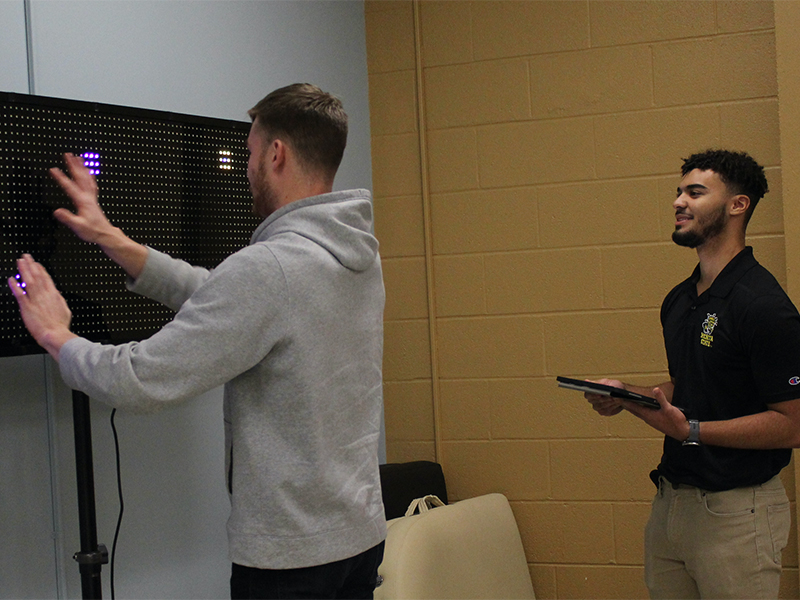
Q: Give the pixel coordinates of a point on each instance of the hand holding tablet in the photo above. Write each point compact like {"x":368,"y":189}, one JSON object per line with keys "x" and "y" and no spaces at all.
{"x":607,"y":390}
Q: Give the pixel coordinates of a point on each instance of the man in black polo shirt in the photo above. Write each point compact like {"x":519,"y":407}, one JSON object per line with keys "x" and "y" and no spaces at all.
{"x":731,"y":410}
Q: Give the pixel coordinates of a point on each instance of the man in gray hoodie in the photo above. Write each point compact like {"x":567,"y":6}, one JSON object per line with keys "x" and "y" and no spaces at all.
{"x":292,"y":325}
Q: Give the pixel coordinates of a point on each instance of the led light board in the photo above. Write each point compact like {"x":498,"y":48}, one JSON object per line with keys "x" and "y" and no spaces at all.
{"x":177,"y":183}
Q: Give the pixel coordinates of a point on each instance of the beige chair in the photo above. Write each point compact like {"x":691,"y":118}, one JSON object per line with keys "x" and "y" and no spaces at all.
{"x":469,"y":549}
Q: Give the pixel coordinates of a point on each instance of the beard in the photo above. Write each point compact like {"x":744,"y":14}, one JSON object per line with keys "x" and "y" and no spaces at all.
{"x":708,"y":228}
{"x":264,"y":197}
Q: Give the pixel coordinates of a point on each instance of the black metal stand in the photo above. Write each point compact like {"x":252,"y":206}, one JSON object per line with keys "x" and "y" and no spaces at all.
{"x":91,"y":556}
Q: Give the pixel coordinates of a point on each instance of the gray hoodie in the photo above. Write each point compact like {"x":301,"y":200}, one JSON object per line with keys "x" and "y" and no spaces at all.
{"x":293,"y":326}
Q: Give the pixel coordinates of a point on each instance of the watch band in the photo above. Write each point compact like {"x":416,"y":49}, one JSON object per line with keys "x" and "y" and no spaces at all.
{"x":694,"y":433}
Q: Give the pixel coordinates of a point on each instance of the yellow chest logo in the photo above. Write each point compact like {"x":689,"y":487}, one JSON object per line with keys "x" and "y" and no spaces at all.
{"x":706,"y":337}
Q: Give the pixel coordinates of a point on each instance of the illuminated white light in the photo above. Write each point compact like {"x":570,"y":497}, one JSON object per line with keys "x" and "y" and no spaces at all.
{"x":225,"y":159}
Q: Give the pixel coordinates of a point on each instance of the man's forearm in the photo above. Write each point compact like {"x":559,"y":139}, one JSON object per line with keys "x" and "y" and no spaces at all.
{"x":762,"y":431}
{"x":128,"y":254}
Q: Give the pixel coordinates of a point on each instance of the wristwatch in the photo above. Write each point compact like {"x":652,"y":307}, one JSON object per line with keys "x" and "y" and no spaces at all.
{"x":694,"y":433}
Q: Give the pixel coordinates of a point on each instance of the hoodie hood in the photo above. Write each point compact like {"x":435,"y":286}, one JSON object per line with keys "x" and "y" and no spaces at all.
{"x":340,"y":222}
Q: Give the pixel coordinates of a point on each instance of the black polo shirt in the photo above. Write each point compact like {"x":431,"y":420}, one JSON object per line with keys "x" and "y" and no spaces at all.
{"x":731,"y":351}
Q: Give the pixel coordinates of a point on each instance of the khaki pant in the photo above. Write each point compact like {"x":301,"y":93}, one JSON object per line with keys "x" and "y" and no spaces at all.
{"x":702,"y":544}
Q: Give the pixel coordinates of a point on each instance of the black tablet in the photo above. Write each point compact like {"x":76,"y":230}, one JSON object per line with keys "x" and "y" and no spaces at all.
{"x":607,"y":390}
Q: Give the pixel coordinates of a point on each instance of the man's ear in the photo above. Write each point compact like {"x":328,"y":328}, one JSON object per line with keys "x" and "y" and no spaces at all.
{"x":278,"y":156}
{"x":739,"y":205}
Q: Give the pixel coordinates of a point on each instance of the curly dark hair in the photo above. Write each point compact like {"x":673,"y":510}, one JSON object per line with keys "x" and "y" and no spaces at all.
{"x":740,"y":173}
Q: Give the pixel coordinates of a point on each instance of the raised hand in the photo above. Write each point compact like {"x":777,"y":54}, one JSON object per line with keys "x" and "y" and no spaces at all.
{"x":88,"y":222}
{"x":44,"y":310}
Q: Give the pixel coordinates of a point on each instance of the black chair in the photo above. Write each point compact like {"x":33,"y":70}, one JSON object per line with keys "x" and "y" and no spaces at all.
{"x":401,"y":483}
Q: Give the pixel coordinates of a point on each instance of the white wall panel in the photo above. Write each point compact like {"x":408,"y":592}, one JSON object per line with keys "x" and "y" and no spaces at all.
{"x":213,"y":58}
{"x":28,"y":561}
{"x":13,"y":63}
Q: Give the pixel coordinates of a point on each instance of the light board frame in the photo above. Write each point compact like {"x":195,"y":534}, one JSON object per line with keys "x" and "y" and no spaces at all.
{"x":175,"y":182}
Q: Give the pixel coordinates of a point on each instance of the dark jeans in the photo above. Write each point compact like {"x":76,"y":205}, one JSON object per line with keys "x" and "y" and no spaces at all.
{"x":351,"y":578}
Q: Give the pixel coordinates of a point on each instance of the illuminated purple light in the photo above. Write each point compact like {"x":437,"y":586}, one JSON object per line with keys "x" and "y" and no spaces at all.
{"x":92,"y":161}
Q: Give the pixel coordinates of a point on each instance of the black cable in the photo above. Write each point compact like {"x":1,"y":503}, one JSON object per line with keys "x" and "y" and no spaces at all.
{"x":121,"y":503}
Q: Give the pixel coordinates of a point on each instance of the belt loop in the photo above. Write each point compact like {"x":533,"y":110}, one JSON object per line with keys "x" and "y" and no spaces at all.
{"x":657,"y":481}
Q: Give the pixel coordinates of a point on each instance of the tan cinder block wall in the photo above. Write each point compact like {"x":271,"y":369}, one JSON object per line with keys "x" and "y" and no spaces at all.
{"x":787,"y":17}
{"x":525,"y":160}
